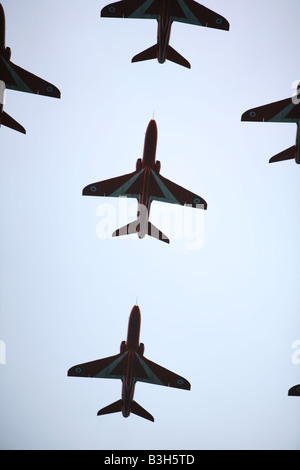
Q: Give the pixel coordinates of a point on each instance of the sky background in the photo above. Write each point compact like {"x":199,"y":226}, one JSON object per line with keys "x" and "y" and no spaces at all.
{"x":224,"y":316}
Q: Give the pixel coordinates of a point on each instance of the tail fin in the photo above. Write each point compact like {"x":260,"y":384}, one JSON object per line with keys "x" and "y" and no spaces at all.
{"x":148,"y":54}
{"x":134,"y":227}
{"x":138,"y":410}
{"x":287,"y":154}
{"x":113,"y":408}
{"x":8,"y":121}
{"x":152,"y":53}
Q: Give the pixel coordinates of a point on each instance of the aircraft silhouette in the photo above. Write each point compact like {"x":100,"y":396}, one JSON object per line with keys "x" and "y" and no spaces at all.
{"x":130,"y":366}
{"x":294,"y":391}
{"x":165,"y":12}
{"x":14,"y":77}
{"x":147,"y":185}
{"x":287,"y":110}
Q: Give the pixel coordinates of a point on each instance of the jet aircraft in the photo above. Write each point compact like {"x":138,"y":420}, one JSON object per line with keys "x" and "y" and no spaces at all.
{"x":287,"y":110}
{"x":14,"y":77}
{"x":147,"y":185}
{"x":165,"y":12}
{"x":130,"y":366}
{"x":294,"y":391}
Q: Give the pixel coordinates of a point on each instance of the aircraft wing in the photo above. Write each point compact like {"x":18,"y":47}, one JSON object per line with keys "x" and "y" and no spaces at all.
{"x":287,"y":110}
{"x":155,"y":374}
{"x":125,"y":185}
{"x":107,"y":368}
{"x":191,"y":12}
{"x":185,"y":11}
{"x":164,"y":190}
{"x":294,"y":391}
{"x":130,"y":9}
{"x":16,"y":78}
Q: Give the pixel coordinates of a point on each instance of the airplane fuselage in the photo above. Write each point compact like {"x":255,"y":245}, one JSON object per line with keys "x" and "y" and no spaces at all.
{"x":164,"y":31}
{"x":132,"y":344}
{"x":148,"y":164}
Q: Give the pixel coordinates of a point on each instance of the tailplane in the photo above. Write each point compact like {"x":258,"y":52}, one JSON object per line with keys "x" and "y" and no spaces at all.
{"x":152,"y":53}
{"x":113,"y":408}
{"x":156,"y":233}
{"x":8,"y":121}
{"x":129,"y":229}
{"x":287,"y":154}
{"x":174,"y":56}
{"x":148,"y":54}
{"x":134,"y":227}
{"x":117,"y":407}
{"x":138,"y":410}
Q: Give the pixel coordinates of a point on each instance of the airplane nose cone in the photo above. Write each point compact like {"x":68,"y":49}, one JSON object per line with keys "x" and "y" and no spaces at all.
{"x":152,"y":125}
{"x":135,"y":313}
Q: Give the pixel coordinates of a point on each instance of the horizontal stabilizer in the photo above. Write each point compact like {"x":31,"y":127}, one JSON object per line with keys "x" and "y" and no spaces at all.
{"x":134,"y":227}
{"x":174,"y":56}
{"x":148,"y":54}
{"x":156,"y":233}
{"x":129,"y":229}
{"x":152,"y":53}
{"x":8,"y":121}
{"x":138,"y":410}
{"x":287,"y":154}
{"x":113,"y":408}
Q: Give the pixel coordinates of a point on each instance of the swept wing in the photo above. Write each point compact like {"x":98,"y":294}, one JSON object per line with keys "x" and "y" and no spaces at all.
{"x":164,"y":190}
{"x":155,"y":374}
{"x":16,"y":78}
{"x":107,"y":368}
{"x":115,"y":187}
{"x":287,"y":110}
{"x":131,"y":185}
{"x":185,"y":11}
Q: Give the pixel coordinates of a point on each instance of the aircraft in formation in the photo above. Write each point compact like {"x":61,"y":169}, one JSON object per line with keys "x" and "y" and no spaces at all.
{"x":165,"y":12}
{"x":130,"y":366}
{"x":287,"y":110}
{"x":146,"y":185}
{"x":14,"y":77}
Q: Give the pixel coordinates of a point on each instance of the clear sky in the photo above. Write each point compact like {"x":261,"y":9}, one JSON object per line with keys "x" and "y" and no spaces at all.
{"x":220,"y":305}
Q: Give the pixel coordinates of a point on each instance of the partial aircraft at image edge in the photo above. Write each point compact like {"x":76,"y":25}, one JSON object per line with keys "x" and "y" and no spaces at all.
{"x":165,"y":12}
{"x":130,"y":366}
{"x":14,"y":77}
{"x":146,"y":185}
{"x":294,"y":391}
{"x":287,"y":110}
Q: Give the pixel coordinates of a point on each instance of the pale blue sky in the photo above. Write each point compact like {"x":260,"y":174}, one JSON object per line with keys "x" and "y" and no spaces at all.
{"x":225,"y":316}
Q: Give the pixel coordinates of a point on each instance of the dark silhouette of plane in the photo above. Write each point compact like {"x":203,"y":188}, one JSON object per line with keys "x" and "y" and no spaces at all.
{"x":287,"y":110}
{"x":165,"y":12}
{"x":14,"y":77}
{"x":294,"y":391}
{"x":130,"y":366}
{"x":147,"y":185}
